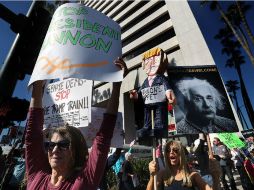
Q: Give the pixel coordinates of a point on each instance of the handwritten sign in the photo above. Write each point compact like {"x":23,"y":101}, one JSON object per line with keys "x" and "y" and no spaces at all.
{"x":68,"y":101}
{"x":231,"y":140}
{"x":90,"y":131}
{"x":154,"y":94}
{"x":80,"y":43}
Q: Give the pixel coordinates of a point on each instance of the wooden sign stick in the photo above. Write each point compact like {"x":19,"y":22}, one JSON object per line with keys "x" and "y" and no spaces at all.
{"x":209,"y":146}
{"x":154,"y":150}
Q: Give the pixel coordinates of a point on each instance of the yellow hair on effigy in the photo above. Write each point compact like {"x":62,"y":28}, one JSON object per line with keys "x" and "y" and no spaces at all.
{"x":152,"y":52}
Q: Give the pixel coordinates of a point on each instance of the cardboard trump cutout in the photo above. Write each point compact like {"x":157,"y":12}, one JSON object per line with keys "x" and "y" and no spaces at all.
{"x":156,"y":94}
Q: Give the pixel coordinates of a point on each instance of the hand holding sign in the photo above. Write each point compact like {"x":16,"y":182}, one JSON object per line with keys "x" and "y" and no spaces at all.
{"x":133,"y":94}
{"x":171,"y":97}
{"x":122,"y":65}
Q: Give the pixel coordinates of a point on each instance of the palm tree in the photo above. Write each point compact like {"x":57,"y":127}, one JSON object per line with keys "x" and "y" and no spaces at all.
{"x":232,"y":87}
{"x":215,"y":5}
{"x":235,"y":61}
{"x":231,"y":49}
{"x":242,"y":8}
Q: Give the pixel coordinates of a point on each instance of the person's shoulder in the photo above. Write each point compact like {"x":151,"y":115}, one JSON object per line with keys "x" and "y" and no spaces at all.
{"x":194,"y":173}
{"x":196,"y":179}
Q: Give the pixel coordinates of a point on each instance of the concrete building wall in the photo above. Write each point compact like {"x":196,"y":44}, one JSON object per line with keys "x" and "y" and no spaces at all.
{"x":169,"y":25}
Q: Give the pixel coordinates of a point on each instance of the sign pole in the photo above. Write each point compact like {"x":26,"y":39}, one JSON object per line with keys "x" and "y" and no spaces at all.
{"x":154,"y":150}
{"x":209,"y":145}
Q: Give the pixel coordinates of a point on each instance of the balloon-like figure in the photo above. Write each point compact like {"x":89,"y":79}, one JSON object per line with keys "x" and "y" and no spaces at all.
{"x":156,"y":94}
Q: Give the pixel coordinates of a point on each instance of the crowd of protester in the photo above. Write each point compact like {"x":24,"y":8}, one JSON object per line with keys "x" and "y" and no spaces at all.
{"x":176,"y":167}
{"x":56,"y":160}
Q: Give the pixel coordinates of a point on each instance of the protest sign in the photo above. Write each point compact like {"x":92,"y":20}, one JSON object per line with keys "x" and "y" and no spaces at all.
{"x":80,"y":43}
{"x":248,"y":133}
{"x":153,"y":94}
{"x":231,"y":140}
{"x":67,"y":101}
{"x":202,"y":105}
{"x":97,"y":117}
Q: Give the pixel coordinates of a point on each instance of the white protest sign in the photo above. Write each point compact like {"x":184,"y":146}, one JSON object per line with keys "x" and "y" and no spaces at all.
{"x":67,"y":101}
{"x":154,"y":94}
{"x":80,"y":43}
{"x":97,"y":117}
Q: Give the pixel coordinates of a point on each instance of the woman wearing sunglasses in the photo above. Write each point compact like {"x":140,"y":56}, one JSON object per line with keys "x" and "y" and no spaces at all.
{"x":67,"y":164}
{"x":176,"y":174}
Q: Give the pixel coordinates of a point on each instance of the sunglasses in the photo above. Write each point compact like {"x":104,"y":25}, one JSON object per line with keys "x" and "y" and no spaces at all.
{"x":175,"y":150}
{"x":61,"y":145}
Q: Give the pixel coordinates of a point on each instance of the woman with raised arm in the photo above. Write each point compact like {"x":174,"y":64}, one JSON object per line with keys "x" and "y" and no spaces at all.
{"x":67,"y":164}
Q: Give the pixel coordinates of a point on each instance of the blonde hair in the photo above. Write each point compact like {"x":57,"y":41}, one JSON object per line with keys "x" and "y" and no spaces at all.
{"x":156,"y":52}
{"x":168,"y":177}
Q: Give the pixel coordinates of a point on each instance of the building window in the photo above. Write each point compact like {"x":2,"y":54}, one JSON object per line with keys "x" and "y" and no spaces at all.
{"x":147,"y":28}
{"x":150,"y":44}
{"x":143,"y":16}
{"x":132,"y":11}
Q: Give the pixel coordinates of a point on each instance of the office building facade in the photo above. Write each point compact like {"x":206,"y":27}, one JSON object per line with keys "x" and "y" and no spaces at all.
{"x":169,"y":25}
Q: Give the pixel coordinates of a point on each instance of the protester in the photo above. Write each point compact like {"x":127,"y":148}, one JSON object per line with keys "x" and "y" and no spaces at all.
{"x":201,"y":151}
{"x":128,"y":173}
{"x":9,"y":164}
{"x":118,"y":170}
{"x":68,"y":165}
{"x":200,"y":101}
{"x":18,"y":170}
{"x":176,"y":174}
{"x":110,"y":162}
{"x":250,"y":143}
{"x":249,"y":167}
{"x":224,"y":156}
{"x":239,"y":159}
{"x":117,"y":167}
{"x":2,"y":162}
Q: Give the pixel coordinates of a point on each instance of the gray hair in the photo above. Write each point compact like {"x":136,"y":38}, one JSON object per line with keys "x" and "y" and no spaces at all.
{"x":187,"y":83}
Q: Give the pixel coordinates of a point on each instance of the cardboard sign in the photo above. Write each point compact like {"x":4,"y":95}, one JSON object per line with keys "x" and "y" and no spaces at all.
{"x":90,"y":131}
{"x":231,"y":140}
{"x":80,"y":43}
{"x":153,"y":94}
{"x":68,"y":101}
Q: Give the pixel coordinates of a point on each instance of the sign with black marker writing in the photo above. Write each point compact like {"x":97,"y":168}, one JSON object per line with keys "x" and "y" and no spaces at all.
{"x":68,"y":101}
{"x":91,"y":131}
{"x":153,"y":94}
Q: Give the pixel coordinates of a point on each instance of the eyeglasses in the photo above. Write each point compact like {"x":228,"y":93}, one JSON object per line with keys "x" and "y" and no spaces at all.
{"x":62,"y":145}
{"x":174,"y":149}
